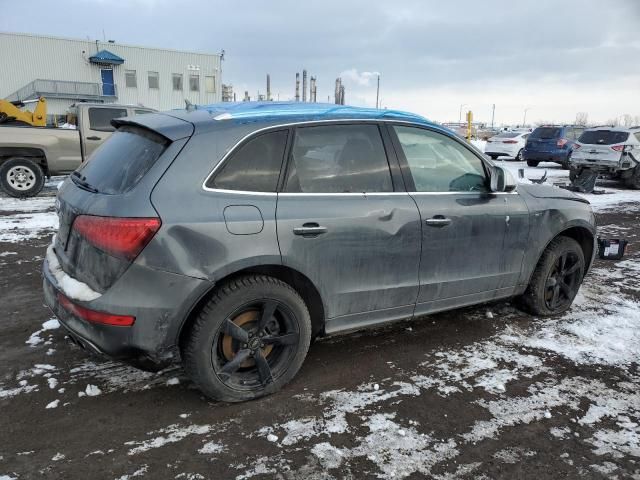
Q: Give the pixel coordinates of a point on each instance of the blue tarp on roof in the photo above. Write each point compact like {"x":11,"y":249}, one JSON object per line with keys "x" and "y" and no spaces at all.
{"x":105,"y":56}
{"x":264,"y":110}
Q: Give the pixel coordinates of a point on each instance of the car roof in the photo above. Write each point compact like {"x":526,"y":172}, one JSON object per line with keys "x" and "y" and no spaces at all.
{"x":612,"y":128}
{"x":206,"y":117}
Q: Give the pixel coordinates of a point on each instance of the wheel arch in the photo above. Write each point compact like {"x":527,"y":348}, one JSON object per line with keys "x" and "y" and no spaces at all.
{"x":581,"y":234}
{"x":301,"y":283}
{"x":32,"y":153}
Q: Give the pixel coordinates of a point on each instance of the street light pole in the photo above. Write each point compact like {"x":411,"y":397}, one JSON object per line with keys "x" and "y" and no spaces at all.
{"x":524,"y":119}
{"x":460,"y":115}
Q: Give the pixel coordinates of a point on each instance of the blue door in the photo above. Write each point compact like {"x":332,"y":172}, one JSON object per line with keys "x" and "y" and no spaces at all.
{"x":108,"y":88}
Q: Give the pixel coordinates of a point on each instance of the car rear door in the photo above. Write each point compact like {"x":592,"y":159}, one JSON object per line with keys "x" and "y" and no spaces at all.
{"x":96,"y":126}
{"x":473,"y":240}
{"x":597,"y":146}
{"x":345,"y":223}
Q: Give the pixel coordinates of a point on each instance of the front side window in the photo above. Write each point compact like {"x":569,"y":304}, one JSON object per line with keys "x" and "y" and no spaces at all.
{"x":130,"y":78}
{"x":100,"y":118}
{"x":210,"y":84}
{"x":176,"y":79}
{"x":338,"y":159}
{"x":194,"y":83}
{"x":440,"y":164}
{"x":154,"y":80}
{"x":255,"y":166}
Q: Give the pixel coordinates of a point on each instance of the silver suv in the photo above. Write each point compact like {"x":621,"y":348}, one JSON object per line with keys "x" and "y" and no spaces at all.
{"x":230,"y":236}
{"x":612,"y":152}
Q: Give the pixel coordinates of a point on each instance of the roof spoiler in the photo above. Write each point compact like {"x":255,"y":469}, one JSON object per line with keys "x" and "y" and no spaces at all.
{"x":169,"y":127}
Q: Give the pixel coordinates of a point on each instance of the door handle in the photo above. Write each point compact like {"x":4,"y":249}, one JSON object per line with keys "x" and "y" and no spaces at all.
{"x":93,"y":138}
{"x":309,"y":230}
{"x":438,"y":221}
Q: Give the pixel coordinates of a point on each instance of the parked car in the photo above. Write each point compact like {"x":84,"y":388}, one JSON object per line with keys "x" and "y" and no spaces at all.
{"x":231,"y":235}
{"x":551,"y":143}
{"x":29,"y":154}
{"x":506,"y":144}
{"x":612,"y":152}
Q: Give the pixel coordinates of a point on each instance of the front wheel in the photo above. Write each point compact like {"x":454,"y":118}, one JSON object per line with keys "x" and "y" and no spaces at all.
{"x":249,"y":340}
{"x":532,"y":163}
{"x":556,"y":279}
{"x":21,"y":177}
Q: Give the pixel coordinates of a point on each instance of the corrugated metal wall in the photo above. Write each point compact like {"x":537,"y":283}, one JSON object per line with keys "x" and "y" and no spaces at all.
{"x":24,"y":58}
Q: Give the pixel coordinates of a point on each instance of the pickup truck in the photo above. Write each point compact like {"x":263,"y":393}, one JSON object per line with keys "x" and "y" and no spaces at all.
{"x":29,"y":154}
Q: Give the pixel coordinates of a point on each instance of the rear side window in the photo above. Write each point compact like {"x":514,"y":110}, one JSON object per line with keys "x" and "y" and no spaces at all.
{"x":122,"y":160}
{"x":338,"y":159}
{"x":255,"y":166}
{"x":100,"y":118}
{"x":603,"y":137}
{"x":546,"y":132}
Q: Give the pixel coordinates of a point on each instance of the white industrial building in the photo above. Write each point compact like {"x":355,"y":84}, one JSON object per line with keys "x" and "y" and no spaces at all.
{"x":65,"y":71}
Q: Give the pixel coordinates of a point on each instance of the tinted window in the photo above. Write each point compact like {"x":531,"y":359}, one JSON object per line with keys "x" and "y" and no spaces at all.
{"x":255,"y":166}
{"x":603,"y":137}
{"x":121,"y":161}
{"x":100,"y":118}
{"x":439,"y":163}
{"x":546,"y":132}
{"x":338,"y":159}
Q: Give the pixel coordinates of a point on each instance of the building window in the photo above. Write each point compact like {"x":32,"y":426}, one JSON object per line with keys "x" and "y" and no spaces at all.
{"x":177,"y":81}
{"x":194,"y":83}
{"x":210,"y":84}
{"x":130,"y":78}
{"x":154,"y":80}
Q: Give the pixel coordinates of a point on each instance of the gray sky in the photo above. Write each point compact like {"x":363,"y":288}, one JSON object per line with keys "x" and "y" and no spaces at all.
{"x":555,"y":58}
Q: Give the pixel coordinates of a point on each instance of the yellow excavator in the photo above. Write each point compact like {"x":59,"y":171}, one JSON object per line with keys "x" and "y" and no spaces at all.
{"x":11,"y":112}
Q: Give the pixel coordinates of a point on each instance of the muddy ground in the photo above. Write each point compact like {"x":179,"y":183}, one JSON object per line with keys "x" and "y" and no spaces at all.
{"x":483,"y":392}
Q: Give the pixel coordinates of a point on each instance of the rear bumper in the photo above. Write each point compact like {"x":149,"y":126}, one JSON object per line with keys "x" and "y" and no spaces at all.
{"x":159,"y":300}
{"x":501,"y":151}
{"x":557,"y":156}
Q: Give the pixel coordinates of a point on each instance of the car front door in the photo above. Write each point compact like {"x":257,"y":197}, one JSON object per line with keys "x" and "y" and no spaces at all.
{"x":343,"y":224}
{"x":473,"y":240}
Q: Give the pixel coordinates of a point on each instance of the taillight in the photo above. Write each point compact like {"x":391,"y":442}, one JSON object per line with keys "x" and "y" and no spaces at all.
{"x":509,"y":141}
{"x":120,"y":237}
{"x":618,"y":148}
{"x":94,"y":316}
{"x":561,"y":142}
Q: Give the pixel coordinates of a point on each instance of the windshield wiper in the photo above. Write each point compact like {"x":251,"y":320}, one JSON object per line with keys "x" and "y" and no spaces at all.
{"x":82,"y":183}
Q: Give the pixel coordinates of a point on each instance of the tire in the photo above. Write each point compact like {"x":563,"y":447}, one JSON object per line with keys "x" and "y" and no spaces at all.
{"x":215,"y":355}
{"x":493,"y":157}
{"x":574,"y":173}
{"x":634,"y":180}
{"x":519,"y":156}
{"x":545,"y":294}
{"x":21,"y":177}
{"x":532,"y":163}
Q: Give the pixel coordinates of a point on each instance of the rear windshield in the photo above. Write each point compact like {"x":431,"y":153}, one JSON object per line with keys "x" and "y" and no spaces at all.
{"x":603,"y":137}
{"x":546,"y":132}
{"x":121,"y":161}
{"x":508,"y":135}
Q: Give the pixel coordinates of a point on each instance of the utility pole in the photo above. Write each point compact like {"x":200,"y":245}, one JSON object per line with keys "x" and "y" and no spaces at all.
{"x":524,"y":118}
{"x":378,"y":93}
{"x":493,"y":114}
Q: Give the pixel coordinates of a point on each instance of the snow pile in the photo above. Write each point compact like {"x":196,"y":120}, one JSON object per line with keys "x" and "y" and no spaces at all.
{"x":92,"y":391}
{"x":210,"y":448}
{"x":171,"y":434}
{"x":71,"y":287}
{"x":36,"y":339}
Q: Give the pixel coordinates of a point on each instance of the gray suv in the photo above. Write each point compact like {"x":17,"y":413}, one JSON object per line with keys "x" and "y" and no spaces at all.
{"x":230,"y":236}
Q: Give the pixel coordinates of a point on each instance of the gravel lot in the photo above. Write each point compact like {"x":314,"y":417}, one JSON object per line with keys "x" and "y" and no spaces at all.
{"x":484,"y":392}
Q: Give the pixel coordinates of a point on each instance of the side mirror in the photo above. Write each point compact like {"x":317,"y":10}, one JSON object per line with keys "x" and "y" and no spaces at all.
{"x":502,"y":180}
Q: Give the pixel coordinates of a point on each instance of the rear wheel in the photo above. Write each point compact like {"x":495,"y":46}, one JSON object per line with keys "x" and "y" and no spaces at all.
{"x":532,"y":163}
{"x":519,"y":156}
{"x":556,"y":279}
{"x":21,"y":177}
{"x":249,"y":340}
{"x":634,"y":180}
